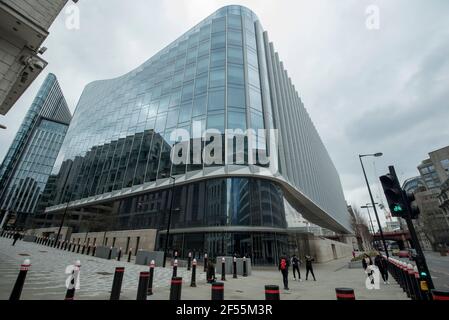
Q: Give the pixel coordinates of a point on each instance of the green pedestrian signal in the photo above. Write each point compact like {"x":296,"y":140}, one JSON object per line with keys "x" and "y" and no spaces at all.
{"x":398,"y":208}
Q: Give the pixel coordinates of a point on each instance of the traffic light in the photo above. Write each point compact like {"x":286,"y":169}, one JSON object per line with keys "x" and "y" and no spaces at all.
{"x":393,"y":193}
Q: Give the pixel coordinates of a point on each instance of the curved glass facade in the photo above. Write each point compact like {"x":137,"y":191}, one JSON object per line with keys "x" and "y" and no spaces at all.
{"x":221,"y":74}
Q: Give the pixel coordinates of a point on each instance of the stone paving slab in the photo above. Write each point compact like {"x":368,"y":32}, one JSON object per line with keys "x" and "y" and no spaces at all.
{"x":46,"y":278}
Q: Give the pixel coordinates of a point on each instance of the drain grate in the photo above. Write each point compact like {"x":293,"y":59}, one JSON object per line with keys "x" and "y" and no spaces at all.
{"x":24,"y":254}
{"x":104,"y":273}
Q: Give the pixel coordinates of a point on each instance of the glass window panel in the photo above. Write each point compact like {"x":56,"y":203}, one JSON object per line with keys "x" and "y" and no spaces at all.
{"x":191,"y":55}
{"x":205,"y":32}
{"x":234,"y":37}
{"x":177,"y":80}
{"x":189,"y":72}
{"x":235,"y":74}
{"x":218,"y":40}
{"x":172,"y":118}
{"x":187,"y":92}
{"x":163,"y":105}
{"x":256,"y":120}
{"x":202,"y":65}
{"x":216,"y":100}
{"x":218,"y":25}
{"x":235,"y":55}
{"x":175,"y":98}
{"x":199,"y":106}
{"x":204,"y":48}
{"x":160,"y":122}
{"x":252,"y":58}
{"x":217,"y":78}
{"x":251,"y":40}
{"x":236,"y":97}
{"x":234,"y":21}
{"x":201,"y":84}
{"x":237,"y":120}
{"x":185,"y":112}
{"x":253,"y":77}
{"x":217,"y":58}
{"x":216,"y":121}
{"x":152,"y":110}
{"x":255,"y":99}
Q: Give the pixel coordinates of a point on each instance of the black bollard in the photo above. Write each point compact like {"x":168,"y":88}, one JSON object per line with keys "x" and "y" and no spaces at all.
{"x":18,"y":286}
{"x":193,"y":281}
{"x":416,"y":275}
{"x":175,"y":288}
{"x":70,"y":294}
{"x":66,"y":244}
{"x":189,"y":261}
{"x":143,"y":285}
{"x":272,"y":292}
{"x":205,"y":262}
{"x":223,"y":269}
{"x":175,"y":268}
{"x":88,"y":250}
{"x":93,"y":251}
{"x":119,"y":254}
{"x":217,"y":292}
{"x":234,"y":268}
{"x":129,"y":255}
{"x":245,"y":271}
{"x":150,"y":280}
{"x":84,"y":249}
{"x":110,"y":253}
{"x":345,"y":294}
{"x":117,"y":283}
{"x":73,"y":246}
{"x":78,"y":249}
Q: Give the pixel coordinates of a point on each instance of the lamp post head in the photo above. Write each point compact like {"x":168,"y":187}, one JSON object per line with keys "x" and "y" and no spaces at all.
{"x":378,"y":154}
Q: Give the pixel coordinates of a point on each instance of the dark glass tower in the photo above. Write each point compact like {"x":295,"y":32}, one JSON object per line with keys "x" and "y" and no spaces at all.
{"x":221,"y":74}
{"x":31,"y":156}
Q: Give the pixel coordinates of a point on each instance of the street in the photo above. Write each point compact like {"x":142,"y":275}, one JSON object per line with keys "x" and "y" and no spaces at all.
{"x":439,"y":269}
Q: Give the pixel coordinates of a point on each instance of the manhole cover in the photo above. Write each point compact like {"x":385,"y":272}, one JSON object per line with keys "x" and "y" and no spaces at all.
{"x":24,"y":254}
{"x":239,"y":291}
{"x":104,"y":273}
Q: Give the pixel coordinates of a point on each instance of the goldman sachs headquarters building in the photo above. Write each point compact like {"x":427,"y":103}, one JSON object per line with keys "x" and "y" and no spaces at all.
{"x":224,"y":73}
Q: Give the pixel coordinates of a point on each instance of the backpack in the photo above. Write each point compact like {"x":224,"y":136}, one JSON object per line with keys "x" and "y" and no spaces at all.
{"x":283,"y":264}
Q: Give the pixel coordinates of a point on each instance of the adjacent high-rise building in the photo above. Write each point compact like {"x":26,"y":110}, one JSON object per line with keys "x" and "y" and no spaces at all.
{"x":117,"y":158}
{"x":32,"y":154}
{"x":24,"y":26}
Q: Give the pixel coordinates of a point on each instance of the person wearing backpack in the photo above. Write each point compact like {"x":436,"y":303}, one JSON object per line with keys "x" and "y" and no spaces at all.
{"x":295,"y":263}
{"x":284,"y":263}
{"x":309,"y":268}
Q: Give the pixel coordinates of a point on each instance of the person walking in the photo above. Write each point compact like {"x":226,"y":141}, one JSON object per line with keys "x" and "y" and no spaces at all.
{"x":309,"y":268}
{"x":210,"y":271}
{"x":381,"y":264}
{"x":16,"y":237}
{"x":295,"y":263}
{"x":284,"y":263}
{"x":366,"y":262}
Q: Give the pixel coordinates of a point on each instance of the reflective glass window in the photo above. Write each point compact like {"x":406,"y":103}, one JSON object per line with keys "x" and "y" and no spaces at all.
{"x":202,"y":65}
{"x":216,"y":121}
{"x":185,"y":112}
{"x":177,"y":80}
{"x":236,"y":97}
{"x":163,"y":104}
{"x":218,"y":40}
{"x":175,"y":98}
{"x":217,"y":78}
{"x":236,"y":120}
{"x":172,"y":118}
{"x":251,"y":40}
{"x":253,"y":77}
{"x":187,"y":92}
{"x":189,"y":72}
{"x":255,"y":99}
{"x":235,"y":55}
{"x":205,"y":32}
{"x":152,"y":110}
{"x":199,"y":105}
{"x":217,"y":58}
{"x":234,"y":37}
{"x":160,"y":122}
{"x":201,"y":84}
{"x":252,"y":58}
{"x":234,"y":21}
{"x":216,"y":100}
{"x":218,"y":25}
{"x":204,"y":48}
{"x":235,"y":74}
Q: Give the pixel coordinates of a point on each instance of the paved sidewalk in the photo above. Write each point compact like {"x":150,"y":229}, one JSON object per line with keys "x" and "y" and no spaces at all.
{"x":46,"y":278}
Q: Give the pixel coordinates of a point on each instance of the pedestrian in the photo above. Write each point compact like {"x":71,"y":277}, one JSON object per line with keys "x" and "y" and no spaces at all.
{"x":309,"y":268}
{"x":16,"y":237}
{"x":366,"y":262}
{"x":210,"y":271}
{"x":284,"y":263}
{"x":295,"y":263}
{"x":380,"y":263}
{"x":353,"y":253}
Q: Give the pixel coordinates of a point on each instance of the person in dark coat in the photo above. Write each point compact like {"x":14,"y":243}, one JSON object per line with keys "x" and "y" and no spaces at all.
{"x":16,"y":237}
{"x":210,"y":274}
{"x":380,"y":263}
{"x":309,"y":267}
{"x":295,"y":264}
{"x":284,"y":263}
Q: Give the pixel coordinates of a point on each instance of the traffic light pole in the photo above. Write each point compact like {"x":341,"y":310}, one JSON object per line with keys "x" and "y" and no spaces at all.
{"x":421,"y":263}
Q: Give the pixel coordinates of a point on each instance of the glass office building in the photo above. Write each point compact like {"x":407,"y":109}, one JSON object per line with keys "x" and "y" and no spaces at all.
{"x":221,"y":74}
{"x":32,"y":154}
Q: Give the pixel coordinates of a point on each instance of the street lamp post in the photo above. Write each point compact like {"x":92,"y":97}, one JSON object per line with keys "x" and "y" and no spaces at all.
{"x":169,"y":221}
{"x":369,"y":216}
{"x":372,"y":199}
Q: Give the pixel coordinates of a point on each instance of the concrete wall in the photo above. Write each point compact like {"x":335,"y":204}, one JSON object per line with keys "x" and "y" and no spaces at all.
{"x":50,"y":232}
{"x":144,"y":239}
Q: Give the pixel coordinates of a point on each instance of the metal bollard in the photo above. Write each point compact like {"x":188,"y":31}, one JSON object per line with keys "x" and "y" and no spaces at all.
{"x":440,"y":295}
{"x":175,"y":288}
{"x":88,"y":250}
{"x":129,"y":255}
{"x":245,"y":271}
{"x":110,"y":253}
{"x":93,"y":251}
{"x":217,"y":292}
{"x":18,"y":286}
{"x":143,"y":285}
{"x":193,"y":281}
{"x":70,"y":294}
{"x":223,"y":269}
{"x":84,"y":249}
{"x":345,"y":293}
{"x":234,"y":268}
{"x":119,"y":254}
{"x":78,"y":249}
{"x":66,"y":244}
{"x":150,"y":280}
{"x":175,"y":268}
{"x":272,"y":292}
{"x":205,"y":262}
{"x":411,"y":277}
{"x":189,"y":261}
{"x":117,"y":283}
{"x":74,"y":246}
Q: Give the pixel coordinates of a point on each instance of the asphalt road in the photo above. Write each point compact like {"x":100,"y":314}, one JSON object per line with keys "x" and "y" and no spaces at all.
{"x":439,"y":269}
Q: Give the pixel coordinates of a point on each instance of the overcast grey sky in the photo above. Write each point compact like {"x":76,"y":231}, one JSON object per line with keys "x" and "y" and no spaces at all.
{"x":366,"y":90}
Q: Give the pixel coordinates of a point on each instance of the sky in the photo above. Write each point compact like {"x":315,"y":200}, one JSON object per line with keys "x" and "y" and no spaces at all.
{"x":373,"y":74}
